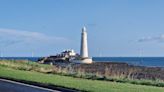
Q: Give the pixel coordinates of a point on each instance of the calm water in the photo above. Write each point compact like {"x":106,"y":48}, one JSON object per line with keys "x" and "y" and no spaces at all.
{"x":142,"y":61}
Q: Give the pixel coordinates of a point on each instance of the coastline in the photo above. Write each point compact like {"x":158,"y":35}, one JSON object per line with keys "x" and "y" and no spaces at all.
{"x":68,"y":77}
{"x":114,"y":70}
{"x":84,"y":85}
{"x":138,"y":61}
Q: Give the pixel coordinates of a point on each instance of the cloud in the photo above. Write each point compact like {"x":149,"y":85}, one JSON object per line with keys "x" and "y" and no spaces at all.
{"x":10,"y":37}
{"x":155,"y":38}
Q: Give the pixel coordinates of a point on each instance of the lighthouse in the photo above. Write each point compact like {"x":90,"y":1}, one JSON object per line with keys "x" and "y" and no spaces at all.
{"x":84,"y":44}
{"x":84,"y":57}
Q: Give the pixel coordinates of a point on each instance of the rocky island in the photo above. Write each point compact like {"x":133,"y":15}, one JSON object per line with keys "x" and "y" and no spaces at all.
{"x":71,"y":62}
{"x":69,"y":55}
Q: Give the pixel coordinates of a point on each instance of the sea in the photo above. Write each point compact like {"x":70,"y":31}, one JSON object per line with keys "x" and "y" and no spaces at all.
{"x":139,"y":61}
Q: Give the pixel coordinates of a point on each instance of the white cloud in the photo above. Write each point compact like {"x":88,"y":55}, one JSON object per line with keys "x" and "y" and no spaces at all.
{"x":155,"y":38}
{"x":9,"y":37}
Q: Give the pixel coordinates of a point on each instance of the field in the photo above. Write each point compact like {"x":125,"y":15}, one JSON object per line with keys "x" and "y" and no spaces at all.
{"x":70,"y":82}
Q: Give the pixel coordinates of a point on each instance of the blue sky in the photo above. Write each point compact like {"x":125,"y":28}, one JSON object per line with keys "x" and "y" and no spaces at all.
{"x":115,"y":27}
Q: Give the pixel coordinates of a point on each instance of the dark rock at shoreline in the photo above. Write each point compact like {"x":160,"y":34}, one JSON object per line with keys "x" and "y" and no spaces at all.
{"x":52,"y":60}
{"x":114,"y":69}
{"x":109,"y":69}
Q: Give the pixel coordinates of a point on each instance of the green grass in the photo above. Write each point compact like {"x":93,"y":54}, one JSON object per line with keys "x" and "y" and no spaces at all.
{"x":43,"y":68}
{"x":26,"y":66}
{"x":77,"y":83}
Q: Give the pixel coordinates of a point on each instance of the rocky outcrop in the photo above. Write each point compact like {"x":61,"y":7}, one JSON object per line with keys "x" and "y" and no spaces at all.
{"x":116,"y":70}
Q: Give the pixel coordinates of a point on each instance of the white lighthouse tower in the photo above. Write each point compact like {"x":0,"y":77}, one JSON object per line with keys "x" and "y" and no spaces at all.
{"x":84,"y":44}
{"x":84,"y":58}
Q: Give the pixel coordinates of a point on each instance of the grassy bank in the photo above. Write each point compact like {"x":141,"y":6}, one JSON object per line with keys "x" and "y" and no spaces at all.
{"x":67,"y":71}
{"x":32,"y":71}
{"x":81,"y":84}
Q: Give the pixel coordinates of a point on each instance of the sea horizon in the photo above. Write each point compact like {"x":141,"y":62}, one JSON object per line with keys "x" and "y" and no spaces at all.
{"x":138,"y":61}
